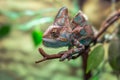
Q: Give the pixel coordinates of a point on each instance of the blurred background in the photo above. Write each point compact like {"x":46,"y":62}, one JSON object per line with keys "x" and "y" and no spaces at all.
{"x":22,"y":23}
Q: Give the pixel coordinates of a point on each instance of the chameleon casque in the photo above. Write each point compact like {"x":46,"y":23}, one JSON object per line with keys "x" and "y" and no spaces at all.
{"x":76,"y":34}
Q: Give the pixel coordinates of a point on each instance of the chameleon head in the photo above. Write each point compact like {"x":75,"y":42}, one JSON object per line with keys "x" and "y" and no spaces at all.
{"x":57,"y":35}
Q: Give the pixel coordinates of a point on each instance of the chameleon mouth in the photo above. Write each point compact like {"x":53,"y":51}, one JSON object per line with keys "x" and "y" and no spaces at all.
{"x":54,"y":43}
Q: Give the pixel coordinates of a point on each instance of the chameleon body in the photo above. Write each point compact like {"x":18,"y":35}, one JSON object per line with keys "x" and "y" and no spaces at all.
{"x":77,"y":33}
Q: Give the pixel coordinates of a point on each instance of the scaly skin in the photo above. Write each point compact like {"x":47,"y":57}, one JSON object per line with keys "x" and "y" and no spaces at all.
{"x":77,"y":35}
{"x":62,"y":33}
{"x":58,"y":34}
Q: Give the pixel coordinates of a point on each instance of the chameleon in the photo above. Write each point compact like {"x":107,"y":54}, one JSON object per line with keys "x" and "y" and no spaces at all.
{"x":76,"y":34}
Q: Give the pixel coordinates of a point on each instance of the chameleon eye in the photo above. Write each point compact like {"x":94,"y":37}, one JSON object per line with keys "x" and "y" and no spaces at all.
{"x":54,"y":33}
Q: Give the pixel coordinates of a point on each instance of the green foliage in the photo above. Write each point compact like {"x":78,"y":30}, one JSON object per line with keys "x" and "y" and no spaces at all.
{"x":95,"y":58}
{"x":114,"y":54}
{"x":75,"y":63}
{"x":39,"y":12}
{"x":4,"y":30}
{"x":76,"y":6}
{"x":33,"y":23}
{"x":37,"y":37}
{"x":4,"y":75}
{"x":11,"y":15}
{"x":38,"y":20}
{"x":75,"y":9}
{"x":95,"y":78}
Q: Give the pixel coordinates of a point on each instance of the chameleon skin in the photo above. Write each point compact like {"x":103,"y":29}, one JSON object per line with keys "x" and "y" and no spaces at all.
{"x":62,"y":26}
{"x":85,"y":34}
{"x":54,"y":43}
{"x":62,"y":33}
{"x":62,"y":40}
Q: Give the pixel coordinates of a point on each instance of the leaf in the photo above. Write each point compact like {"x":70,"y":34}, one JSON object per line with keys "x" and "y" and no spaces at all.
{"x":11,"y":15}
{"x":95,"y":78}
{"x":95,"y":58}
{"x":4,"y":30}
{"x":37,"y":37}
{"x":76,"y":6}
{"x":114,"y":54}
{"x":35,"y":22}
{"x":39,"y":12}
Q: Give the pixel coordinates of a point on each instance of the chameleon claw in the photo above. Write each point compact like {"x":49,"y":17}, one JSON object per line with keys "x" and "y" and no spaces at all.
{"x":63,"y":57}
{"x":69,"y":58}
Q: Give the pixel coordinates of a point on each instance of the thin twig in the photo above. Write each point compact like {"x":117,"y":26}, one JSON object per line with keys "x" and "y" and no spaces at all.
{"x":106,"y":24}
{"x":47,"y":57}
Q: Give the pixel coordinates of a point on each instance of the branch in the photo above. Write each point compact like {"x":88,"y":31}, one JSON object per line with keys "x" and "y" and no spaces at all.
{"x":55,"y":56}
{"x":46,"y":56}
{"x":106,"y":24}
{"x":88,"y":75}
